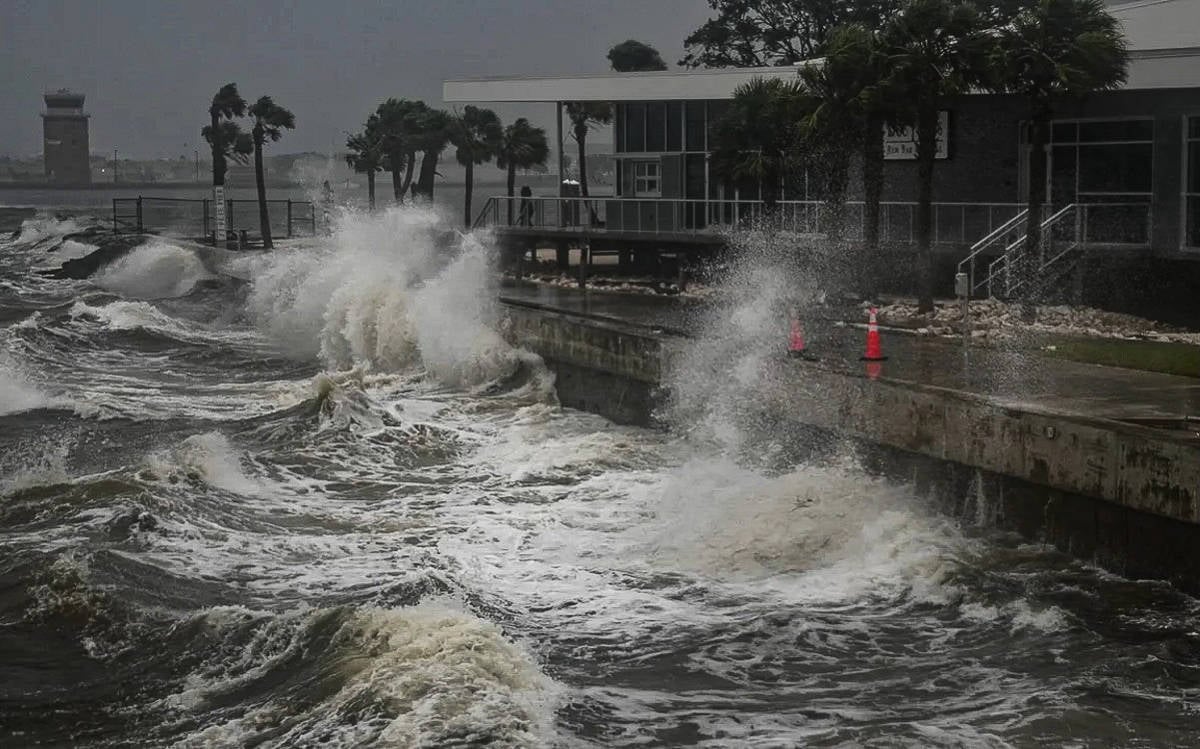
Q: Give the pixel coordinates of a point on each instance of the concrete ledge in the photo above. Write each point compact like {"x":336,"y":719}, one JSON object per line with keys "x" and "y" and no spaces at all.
{"x":1122,"y":495}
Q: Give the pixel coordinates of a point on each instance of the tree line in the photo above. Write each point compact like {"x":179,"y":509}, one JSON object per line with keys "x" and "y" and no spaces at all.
{"x":895,"y":63}
{"x":401,"y":133}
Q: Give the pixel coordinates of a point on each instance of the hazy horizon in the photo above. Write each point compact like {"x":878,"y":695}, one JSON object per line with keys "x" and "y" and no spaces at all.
{"x":148,"y":71}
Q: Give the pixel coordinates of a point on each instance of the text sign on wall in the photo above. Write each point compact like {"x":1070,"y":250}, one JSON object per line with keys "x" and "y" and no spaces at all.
{"x":900,"y":143}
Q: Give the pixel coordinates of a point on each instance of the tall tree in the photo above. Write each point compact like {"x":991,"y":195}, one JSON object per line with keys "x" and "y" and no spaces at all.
{"x":584,"y":115}
{"x":430,"y":137}
{"x":758,"y":137}
{"x":223,"y":134}
{"x":365,"y":156}
{"x":476,"y":135}
{"x":1049,"y":51}
{"x":760,"y":33}
{"x":853,"y":108}
{"x":270,"y":120}
{"x":631,"y":56}
{"x":522,"y":147}
{"x":935,"y":49}
{"x":396,"y":122}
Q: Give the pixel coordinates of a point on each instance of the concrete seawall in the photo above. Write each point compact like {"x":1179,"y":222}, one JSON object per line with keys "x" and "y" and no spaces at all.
{"x":1120,"y":494}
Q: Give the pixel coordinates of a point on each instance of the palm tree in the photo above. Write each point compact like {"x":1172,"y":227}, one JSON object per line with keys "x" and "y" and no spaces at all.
{"x":224,"y":135}
{"x":431,"y":134}
{"x":476,"y":135}
{"x":1049,"y":51}
{"x":585,"y":115}
{"x":365,"y":156}
{"x":269,"y":121}
{"x":935,"y":49}
{"x":395,"y":121}
{"x":853,"y":108}
{"x":227,"y":141}
{"x":522,"y":147}
{"x":759,"y":135}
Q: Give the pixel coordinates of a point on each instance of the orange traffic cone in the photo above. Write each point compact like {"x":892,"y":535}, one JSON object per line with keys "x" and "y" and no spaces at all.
{"x":797,"y":348}
{"x":874,"y":347}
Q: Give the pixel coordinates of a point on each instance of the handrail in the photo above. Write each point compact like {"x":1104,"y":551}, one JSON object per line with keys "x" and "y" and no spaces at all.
{"x":967,"y":264}
{"x":1002,"y":263}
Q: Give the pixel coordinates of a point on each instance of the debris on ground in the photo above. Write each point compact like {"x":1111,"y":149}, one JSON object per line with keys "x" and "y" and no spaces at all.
{"x":996,"y":320}
{"x":620,"y":284}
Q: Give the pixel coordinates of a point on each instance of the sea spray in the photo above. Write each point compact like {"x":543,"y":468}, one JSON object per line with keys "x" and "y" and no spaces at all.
{"x":388,"y":294}
{"x":155,"y":270}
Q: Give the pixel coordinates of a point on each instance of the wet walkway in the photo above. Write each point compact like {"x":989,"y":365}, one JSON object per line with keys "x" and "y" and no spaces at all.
{"x":1012,"y":378}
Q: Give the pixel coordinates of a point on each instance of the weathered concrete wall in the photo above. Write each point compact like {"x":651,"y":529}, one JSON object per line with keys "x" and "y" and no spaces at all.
{"x":1123,"y":495}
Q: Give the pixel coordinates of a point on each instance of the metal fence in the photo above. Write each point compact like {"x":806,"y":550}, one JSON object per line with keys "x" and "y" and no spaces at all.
{"x":953,"y":223}
{"x":197,"y":218}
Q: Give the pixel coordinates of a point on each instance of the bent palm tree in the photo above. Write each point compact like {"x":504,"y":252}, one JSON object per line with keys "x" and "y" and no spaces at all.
{"x":396,"y":121}
{"x":585,"y":115}
{"x":522,"y":147}
{"x":269,"y":121}
{"x":476,"y":135}
{"x":227,"y":141}
{"x":1049,"y":51}
{"x":433,"y":133}
{"x":366,"y":157}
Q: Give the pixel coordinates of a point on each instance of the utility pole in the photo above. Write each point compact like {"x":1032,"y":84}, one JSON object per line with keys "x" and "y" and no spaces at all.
{"x":114,"y":166}
{"x":197,"y":154}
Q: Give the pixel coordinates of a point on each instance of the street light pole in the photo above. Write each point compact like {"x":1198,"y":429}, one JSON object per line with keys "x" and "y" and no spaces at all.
{"x":114,"y":166}
{"x":197,"y":154}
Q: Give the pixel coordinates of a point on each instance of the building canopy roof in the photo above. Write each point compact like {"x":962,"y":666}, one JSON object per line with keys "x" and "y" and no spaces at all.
{"x":1163,"y":35}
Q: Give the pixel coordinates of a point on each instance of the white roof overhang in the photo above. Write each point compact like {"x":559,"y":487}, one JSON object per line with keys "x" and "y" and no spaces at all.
{"x":657,"y":86}
{"x":1163,"y":35}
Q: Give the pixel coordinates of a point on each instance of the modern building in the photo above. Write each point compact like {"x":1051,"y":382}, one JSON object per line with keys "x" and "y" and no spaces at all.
{"x":65,"y":139}
{"x":1126,"y":162}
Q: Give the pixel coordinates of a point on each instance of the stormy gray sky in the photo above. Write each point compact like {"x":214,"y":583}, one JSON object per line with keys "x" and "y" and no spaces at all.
{"x":149,"y":68}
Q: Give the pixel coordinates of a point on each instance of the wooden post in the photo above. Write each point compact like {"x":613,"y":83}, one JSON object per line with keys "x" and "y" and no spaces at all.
{"x":139,"y":214}
{"x":289,"y":218}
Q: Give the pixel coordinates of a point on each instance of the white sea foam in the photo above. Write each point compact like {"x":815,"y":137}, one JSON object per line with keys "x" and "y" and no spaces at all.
{"x":210,"y":457}
{"x":429,"y":675}
{"x":17,"y":393}
{"x":155,"y":270}
{"x":387,"y":295}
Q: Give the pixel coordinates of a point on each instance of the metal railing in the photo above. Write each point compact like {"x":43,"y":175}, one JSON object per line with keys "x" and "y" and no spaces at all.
{"x":195,"y":218}
{"x":1066,"y":232}
{"x":953,"y":223}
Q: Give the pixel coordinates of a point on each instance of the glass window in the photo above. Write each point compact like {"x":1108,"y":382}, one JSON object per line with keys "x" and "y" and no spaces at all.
{"x":1116,"y":130}
{"x":1118,"y":168}
{"x":716,"y":110}
{"x":694,"y":127}
{"x":635,"y":127}
{"x":646,"y":178}
{"x":694,"y":176}
{"x":1064,"y":132}
{"x":674,"y":126}
{"x":619,"y":128}
{"x":656,"y":126}
{"x":1193,"y":166}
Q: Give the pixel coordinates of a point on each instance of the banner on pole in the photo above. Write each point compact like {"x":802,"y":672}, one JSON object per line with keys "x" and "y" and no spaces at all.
{"x":219,"y":207}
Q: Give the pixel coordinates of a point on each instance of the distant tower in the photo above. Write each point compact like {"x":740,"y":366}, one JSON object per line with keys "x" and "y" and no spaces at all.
{"x":65,"y":133}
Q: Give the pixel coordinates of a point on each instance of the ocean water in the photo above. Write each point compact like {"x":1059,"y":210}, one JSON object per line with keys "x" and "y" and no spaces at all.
{"x":313,"y":498}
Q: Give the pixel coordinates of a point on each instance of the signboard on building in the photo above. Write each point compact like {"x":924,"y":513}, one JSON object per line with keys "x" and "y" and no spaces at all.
{"x":219,"y":211}
{"x":900,"y":143}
